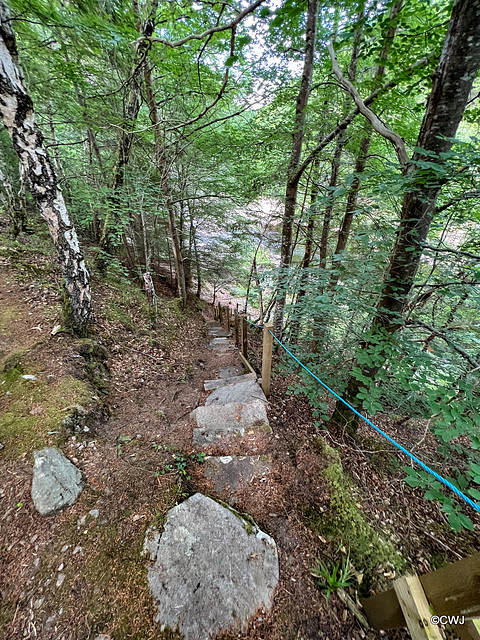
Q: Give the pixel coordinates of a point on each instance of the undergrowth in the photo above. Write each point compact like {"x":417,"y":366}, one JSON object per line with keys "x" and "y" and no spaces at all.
{"x":345,"y":523}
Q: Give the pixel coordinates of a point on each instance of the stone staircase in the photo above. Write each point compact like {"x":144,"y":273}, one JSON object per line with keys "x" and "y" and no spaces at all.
{"x":210,"y":569}
{"x":233,"y":418}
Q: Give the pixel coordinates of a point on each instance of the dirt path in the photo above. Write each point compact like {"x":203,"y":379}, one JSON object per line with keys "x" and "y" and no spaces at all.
{"x":80,"y":573}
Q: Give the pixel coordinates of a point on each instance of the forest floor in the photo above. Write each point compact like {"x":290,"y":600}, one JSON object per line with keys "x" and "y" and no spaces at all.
{"x":80,"y":573}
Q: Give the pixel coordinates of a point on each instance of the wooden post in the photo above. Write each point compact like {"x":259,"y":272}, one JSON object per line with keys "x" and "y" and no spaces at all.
{"x":227,"y":317}
{"x":244,"y":336}
{"x":219,"y":313}
{"x":267,"y":358}
{"x":235,"y":324}
{"x":416,"y":609}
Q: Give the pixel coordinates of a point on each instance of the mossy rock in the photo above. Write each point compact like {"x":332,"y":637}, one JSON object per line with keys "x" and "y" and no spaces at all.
{"x":345,"y":523}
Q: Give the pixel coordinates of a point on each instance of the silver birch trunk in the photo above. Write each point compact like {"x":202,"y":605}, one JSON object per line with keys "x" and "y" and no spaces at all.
{"x":16,"y":108}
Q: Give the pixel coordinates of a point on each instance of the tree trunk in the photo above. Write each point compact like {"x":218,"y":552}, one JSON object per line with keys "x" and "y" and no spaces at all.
{"x":351,"y":207}
{"x":296,"y":152}
{"x":18,"y":116}
{"x":162,"y":166}
{"x":361,"y":161}
{"x":131,"y":109}
{"x":327,"y":218}
{"x":452,"y":83}
{"x":307,"y":255}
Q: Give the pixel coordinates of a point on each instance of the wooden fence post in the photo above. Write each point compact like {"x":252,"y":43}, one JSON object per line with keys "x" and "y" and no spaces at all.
{"x":235,"y":324}
{"x":219,"y":313}
{"x":244,"y":336}
{"x":416,"y":609}
{"x":267,"y":358}
{"x":227,"y":317}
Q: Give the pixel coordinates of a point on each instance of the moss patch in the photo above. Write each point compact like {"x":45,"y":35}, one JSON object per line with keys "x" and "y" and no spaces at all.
{"x":106,"y":586}
{"x":31,"y":411}
{"x":346,"y":523}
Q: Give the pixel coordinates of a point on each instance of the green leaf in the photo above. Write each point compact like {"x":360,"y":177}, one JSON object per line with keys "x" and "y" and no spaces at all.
{"x":230,"y":61}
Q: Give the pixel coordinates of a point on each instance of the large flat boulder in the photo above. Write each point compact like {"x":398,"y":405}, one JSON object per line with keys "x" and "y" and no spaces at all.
{"x":243,"y":392}
{"x":213,"y":570}
{"x":57,"y":482}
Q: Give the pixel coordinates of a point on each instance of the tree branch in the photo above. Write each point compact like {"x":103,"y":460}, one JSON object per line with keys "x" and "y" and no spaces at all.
{"x":351,"y":116}
{"x":374,"y":120}
{"x":457,"y":252}
{"x":418,"y":323}
{"x":205,"y":34}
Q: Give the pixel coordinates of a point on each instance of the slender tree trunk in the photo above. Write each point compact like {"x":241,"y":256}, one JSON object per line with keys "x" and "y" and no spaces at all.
{"x":327,"y":218}
{"x":307,"y":256}
{"x":295,"y":156}
{"x":350,"y":209}
{"x":452,"y":84}
{"x":18,"y":116}
{"x":131,"y":108}
{"x":361,"y":161}
{"x":163,"y":168}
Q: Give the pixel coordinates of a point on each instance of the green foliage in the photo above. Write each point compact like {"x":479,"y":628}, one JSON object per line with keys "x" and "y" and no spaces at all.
{"x":180,"y":460}
{"x":333,"y":574}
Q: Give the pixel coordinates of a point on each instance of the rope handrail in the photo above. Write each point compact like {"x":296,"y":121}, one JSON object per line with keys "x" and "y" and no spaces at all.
{"x":410,"y":455}
{"x":437,"y":476}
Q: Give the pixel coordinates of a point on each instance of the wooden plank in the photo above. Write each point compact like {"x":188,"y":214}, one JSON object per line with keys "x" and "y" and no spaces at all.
{"x":468,"y":631}
{"x":237,"y":332}
{"x":416,"y":609}
{"x":246,"y":363}
{"x":267,"y":358}
{"x":383,"y":611}
{"x":244,"y":336}
{"x":452,"y":590}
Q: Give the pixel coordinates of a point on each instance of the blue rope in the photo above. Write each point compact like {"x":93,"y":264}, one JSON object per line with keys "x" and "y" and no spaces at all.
{"x":382,"y":433}
{"x":259,"y":326}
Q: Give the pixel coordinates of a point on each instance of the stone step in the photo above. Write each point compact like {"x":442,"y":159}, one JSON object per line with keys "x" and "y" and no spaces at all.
{"x":242,"y":392}
{"x":219,"y":423}
{"x":210,"y":385}
{"x":229,"y":372}
{"x":222,"y":347}
{"x":232,"y":474}
{"x":219,"y":332}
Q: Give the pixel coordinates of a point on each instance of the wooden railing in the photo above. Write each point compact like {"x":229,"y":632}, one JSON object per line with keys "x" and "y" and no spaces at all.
{"x":240,"y":324}
{"x":453,"y":590}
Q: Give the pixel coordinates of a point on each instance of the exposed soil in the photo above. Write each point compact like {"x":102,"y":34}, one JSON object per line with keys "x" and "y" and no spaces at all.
{"x":156,"y":376}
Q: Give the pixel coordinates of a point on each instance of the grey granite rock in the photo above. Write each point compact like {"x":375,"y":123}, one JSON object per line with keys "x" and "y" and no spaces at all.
{"x":57,"y":483}
{"x":213,"y":571}
{"x":243,"y":392}
{"x":223,"y":382}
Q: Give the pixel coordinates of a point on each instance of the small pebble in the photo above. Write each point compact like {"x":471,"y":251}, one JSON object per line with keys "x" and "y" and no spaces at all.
{"x":60,"y":579}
